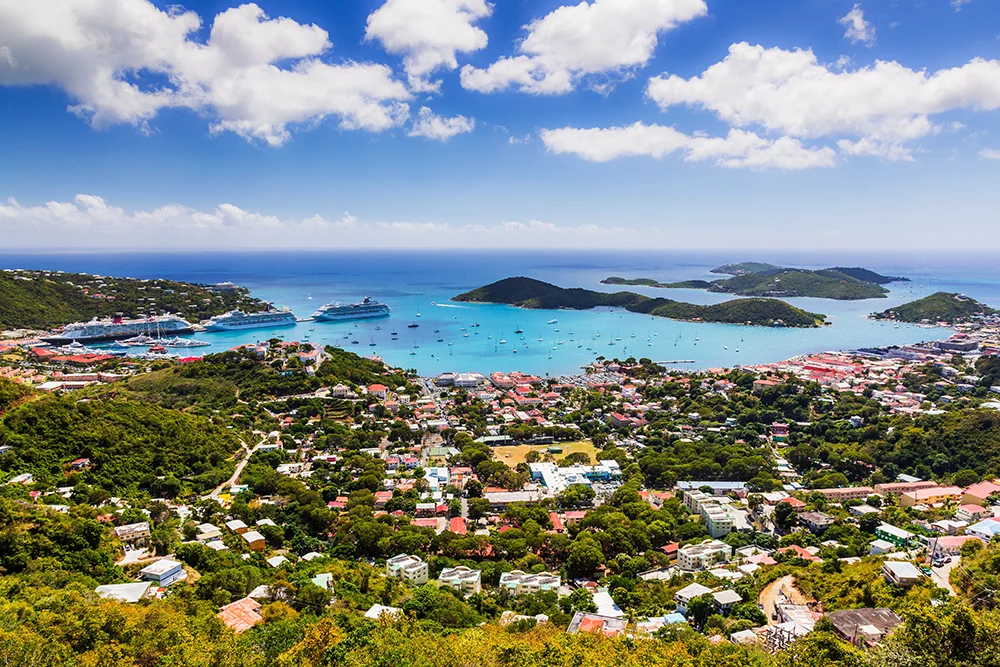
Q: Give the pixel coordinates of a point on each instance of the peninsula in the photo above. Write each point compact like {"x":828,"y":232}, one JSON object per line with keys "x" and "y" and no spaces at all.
{"x":938,"y":307}
{"x":33,"y":299}
{"x":530,"y":293}
{"x":758,"y":279}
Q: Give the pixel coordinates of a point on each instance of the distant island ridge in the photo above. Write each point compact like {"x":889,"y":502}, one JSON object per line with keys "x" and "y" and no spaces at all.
{"x":536,"y":294}
{"x":769,"y":280}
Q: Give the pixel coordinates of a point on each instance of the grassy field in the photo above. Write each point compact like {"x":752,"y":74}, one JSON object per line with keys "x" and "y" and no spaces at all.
{"x":515,"y":454}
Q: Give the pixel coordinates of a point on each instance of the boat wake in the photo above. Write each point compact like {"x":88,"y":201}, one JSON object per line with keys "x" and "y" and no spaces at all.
{"x":447,"y":305}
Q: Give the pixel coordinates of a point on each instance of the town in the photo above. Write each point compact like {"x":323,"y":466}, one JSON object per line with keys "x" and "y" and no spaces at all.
{"x":629,"y":500}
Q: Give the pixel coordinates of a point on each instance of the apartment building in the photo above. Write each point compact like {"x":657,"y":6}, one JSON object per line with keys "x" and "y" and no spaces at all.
{"x":411,"y":569}
{"x":518,"y":582}
{"x":462,"y":579}
{"x":703,"y":556}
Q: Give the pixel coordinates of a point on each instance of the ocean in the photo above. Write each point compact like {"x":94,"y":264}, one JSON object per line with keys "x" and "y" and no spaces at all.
{"x":418,"y":287}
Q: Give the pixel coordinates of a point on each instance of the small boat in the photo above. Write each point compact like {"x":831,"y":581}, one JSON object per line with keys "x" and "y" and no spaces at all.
{"x":373,"y":343}
{"x":515,"y":350}
{"x":552,"y":321}
{"x":412,"y":353}
{"x":474,"y":324}
{"x":440,"y":340}
{"x":418,"y":314}
{"x":503,"y":341}
{"x":412,"y":326}
{"x":465,"y":335}
{"x":437,"y":331}
{"x":355,"y":342}
{"x":393,"y":333}
{"x":518,"y":330}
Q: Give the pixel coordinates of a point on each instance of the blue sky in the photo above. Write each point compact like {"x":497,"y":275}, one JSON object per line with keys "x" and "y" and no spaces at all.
{"x":452,"y":123}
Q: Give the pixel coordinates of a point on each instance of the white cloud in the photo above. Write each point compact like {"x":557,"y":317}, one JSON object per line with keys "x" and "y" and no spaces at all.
{"x":858,"y":29}
{"x":429,"y":34}
{"x":123,"y":61}
{"x":989,"y":154}
{"x":737,"y":149}
{"x":876,"y":109}
{"x":431,"y":126}
{"x":576,"y":40}
{"x":88,"y":221}
{"x":958,"y":4}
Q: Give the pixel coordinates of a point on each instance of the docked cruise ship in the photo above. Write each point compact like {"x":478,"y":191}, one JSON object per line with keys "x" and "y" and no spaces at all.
{"x":351,"y":311}
{"x":116,"y":328}
{"x":235,"y":320}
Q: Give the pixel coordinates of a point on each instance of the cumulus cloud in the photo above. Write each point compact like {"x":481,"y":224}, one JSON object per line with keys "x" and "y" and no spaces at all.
{"x":428,"y":34}
{"x":989,"y":154}
{"x":89,"y":221}
{"x":858,"y":29}
{"x":875,"y":109}
{"x":602,"y":36}
{"x":123,"y":61}
{"x":431,"y":126}
{"x":738,"y":149}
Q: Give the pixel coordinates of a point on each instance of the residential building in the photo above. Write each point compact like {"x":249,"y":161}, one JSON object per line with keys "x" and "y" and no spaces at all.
{"x":724,"y":600}
{"x":931,"y":496}
{"x":972,"y":512}
{"x":411,"y":569}
{"x":889,"y":533}
{"x":978,"y":493}
{"x":703,"y":556}
{"x":134,"y":534}
{"x":949,"y":545}
{"x":608,"y":626}
{"x":237,"y":526}
{"x":241,"y":615}
{"x":518,"y":582}
{"x":124,"y":592}
{"x":864,"y":626}
{"x":377,"y":611}
{"x":684,"y":596}
{"x":815,"y":522}
{"x":254,"y":540}
{"x":718,"y":522}
{"x":164,"y":572}
{"x":985,"y":529}
{"x":897,"y":488}
{"x":462,"y":579}
{"x":846,"y":493}
{"x":900,"y":573}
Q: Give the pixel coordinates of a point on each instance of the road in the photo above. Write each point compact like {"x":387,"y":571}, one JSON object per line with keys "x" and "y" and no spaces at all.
{"x":941,"y":575}
{"x":239,"y":469}
{"x":784,"y":587}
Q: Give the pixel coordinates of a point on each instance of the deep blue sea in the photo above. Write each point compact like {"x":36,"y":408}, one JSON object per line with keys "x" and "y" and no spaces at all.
{"x":411,"y":283}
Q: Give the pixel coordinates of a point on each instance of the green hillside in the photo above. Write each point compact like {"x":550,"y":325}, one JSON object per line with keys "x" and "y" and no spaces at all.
{"x":46,"y":299}
{"x":531,"y":293}
{"x":740,"y":268}
{"x":128,"y":444}
{"x":868,"y":276}
{"x":825,"y":284}
{"x":938,"y":307}
{"x":650,"y":282}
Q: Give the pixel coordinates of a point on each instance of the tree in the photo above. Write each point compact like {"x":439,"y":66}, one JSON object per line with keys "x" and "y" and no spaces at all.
{"x":755,"y":501}
{"x":869,"y":522}
{"x":478,"y":508}
{"x":784,"y":515}
{"x":964,"y":478}
{"x":585,"y":556}
{"x":699,"y":609}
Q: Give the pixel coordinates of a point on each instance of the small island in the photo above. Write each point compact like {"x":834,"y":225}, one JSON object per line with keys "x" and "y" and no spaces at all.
{"x":530,"y":293}
{"x":945,"y":307}
{"x":34,"y":299}
{"x":759,"y":279}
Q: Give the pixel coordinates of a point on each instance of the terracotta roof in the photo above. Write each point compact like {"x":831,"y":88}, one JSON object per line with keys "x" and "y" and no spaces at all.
{"x":241,"y":615}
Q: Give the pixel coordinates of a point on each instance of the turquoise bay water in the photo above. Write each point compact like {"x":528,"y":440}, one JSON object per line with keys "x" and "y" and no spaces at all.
{"x":412,"y":283}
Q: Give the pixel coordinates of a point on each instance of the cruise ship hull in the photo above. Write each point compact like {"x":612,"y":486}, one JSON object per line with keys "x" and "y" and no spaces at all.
{"x":334,"y":317}
{"x":117,"y":332}
{"x":220,"y":326}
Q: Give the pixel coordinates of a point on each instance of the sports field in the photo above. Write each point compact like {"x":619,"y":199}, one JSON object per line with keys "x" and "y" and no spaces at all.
{"x":515,"y":454}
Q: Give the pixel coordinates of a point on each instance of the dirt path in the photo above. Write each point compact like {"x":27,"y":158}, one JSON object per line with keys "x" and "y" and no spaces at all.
{"x":780,"y":588}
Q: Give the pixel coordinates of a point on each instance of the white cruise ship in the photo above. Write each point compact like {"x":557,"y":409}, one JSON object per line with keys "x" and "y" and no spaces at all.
{"x":351,"y":311}
{"x":235,"y":320}
{"x":116,"y":328}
